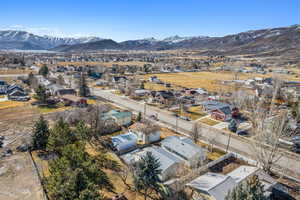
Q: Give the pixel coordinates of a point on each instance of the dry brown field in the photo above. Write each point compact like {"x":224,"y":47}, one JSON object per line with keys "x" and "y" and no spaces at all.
{"x":211,"y":81}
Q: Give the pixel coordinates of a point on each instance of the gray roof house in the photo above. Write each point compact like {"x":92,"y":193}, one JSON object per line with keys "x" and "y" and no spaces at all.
{"x":184,"y":148}
{"x":171,"y":165}
{"x":214,"y":105}
{"x":215,"y":186}
{"x":212,"y":186}
{"x":122,"y":118}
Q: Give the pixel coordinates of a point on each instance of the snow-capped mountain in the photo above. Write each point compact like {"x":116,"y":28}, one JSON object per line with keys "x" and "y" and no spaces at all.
{"x":40,"y":42}
{"x":176,"y":38}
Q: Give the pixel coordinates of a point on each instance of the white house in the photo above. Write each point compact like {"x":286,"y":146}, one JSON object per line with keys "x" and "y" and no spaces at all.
{"x":146,"y":133}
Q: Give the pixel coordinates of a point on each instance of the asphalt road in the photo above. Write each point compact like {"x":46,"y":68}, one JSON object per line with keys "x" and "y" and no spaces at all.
{"x":290,"y":166}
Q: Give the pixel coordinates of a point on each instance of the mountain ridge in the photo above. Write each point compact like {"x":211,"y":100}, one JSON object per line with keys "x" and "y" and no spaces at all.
{"x":253,"y":41}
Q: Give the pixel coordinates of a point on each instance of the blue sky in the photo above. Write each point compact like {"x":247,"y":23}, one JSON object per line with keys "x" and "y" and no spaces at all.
{"x":135,"y":19}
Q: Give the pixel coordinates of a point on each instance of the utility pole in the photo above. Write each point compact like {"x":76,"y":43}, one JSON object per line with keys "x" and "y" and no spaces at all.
{"x":176,"y":123}
{"x":228,"y":142}
{"x":145,"y":110}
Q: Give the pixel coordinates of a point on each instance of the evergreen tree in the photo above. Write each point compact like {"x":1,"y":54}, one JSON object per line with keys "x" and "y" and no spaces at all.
{"x":83,"y":88}
{"x":147,"y":176}
{"x":90,"y":193}
{"x":251,"y":189}
{"x":41,"y":94}
{"x":60,"y":136}
{"x":44,"y":71}
{"x":76,"y":175}
{"x":139,"y":117}
{"x":40,"y":134}
{"x":142,"y":85}
{"x":82,"y":132}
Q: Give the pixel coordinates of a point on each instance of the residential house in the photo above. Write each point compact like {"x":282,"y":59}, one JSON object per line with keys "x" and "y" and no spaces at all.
{"x":211,"y":186}
{"x":141,"y":92}
{"x":146,"y":133}
{"x":122,"y":118}
{"x":72,"y":100}
{"x":58,"y":90}
{"x":186,"y":149}
{"x":16,"y":93}
{"x":214,"y":186}
{"x":170,"y":165}
{"x":164,"y":97}
{"x":119,"y":79}
{"x":102,"y":83}
{"x":3,"y":87}
{"x":218,"y":110}
{"x":95,"y":75}
{"x":154,"y":79}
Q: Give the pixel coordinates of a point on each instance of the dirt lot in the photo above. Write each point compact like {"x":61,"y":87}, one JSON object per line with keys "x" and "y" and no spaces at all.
{"x":18,"y":179}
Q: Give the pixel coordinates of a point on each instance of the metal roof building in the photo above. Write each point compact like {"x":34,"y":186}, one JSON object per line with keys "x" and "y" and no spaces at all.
{"x":171,"y":165}
{"x":212,"y":186}
{"x":185,"y":149}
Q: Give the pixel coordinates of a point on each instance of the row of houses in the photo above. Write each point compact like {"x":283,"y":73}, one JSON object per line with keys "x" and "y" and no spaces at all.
{"x":174,"y":153}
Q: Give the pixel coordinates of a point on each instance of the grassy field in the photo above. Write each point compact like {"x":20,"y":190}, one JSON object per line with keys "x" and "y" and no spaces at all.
{"x":106,"y":64}
{"x":211,"y":81}
{"x":209,"y":121}
{"x":15,"y":71}
{"x":12,"y":104}
{"x":193,"y":114}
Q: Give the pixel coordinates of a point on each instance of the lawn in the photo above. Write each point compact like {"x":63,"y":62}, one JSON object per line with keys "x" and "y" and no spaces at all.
{"x":58,"y":108}
{"x":209,"y":121}
{"x":190,"y":115}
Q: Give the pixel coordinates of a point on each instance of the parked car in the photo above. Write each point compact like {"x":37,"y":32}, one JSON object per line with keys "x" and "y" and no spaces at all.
{"x":185,"y":118}
{"x":242,"y":132}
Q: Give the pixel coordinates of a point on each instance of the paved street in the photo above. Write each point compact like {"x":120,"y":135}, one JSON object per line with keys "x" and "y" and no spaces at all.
{"x":240,"y":146}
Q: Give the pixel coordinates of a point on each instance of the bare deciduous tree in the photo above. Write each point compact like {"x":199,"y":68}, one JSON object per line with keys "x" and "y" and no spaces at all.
{"x":196,"y":132}
{"x":268,"y":126}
